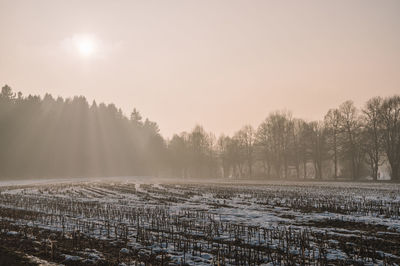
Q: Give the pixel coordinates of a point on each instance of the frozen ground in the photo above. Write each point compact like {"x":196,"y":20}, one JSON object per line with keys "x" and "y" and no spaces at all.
{"x":138,"y":220}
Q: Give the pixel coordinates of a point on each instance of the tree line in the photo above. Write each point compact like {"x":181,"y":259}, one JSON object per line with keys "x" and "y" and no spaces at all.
{"x":69,"y":137}
{"x":48,"y":137}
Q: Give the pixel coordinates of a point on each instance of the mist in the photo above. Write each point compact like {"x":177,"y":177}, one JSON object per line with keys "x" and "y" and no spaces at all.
{"x":212,"y":132}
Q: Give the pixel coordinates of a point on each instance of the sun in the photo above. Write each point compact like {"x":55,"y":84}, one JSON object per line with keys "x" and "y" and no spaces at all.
{"x":85,"y":45}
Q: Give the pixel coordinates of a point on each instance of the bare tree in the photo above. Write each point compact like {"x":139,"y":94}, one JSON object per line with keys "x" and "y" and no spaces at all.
{"x":351,"y":128}
{"x":198,"y":146}
{"x":275,"y":135}
{"x":235,"y":151}
{"x":390,"y":123}
{"x":263,"y":147}
{"x":211,"y":155}
{"x":318,"y":147}
{"x":224,"y":156}
{"x":332,"y":124}
{"x":287,"y":141}
{"x":179,"y":155}
{"x":300,"y":144}
{"x":372,"y":134}
{"x":246,"y":139}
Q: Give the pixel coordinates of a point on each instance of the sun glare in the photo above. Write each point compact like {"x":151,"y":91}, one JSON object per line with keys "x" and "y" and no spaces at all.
{"x":86,"y":46}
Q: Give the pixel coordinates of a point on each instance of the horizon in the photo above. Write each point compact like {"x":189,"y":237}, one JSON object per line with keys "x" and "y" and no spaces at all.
{"x":206,"y":132}
{"x":218,"y":64}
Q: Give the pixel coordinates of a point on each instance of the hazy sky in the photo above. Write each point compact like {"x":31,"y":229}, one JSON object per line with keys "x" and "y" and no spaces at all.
{"x":221,"y":64}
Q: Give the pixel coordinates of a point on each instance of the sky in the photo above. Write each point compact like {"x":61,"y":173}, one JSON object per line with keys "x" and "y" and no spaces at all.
{"x":218,"y":63}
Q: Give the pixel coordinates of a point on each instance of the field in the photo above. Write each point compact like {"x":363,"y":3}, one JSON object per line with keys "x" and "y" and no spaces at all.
{"x":144,"y":221}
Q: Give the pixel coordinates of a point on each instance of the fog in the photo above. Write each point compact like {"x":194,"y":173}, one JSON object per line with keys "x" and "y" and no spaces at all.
{"x":56,"y":137}
{"x":209,"y":132}
{"x":221,"y":64}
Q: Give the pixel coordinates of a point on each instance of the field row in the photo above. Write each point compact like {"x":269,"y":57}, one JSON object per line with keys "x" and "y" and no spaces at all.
{"x":130,"y":221}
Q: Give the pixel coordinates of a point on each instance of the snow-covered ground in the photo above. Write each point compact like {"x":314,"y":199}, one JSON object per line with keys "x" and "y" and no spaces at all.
{"x":202,"y":222}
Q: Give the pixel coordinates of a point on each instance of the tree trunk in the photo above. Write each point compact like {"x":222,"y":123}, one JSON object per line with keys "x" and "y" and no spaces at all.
{"x":335,"y":154}
{"x":394,"y":171}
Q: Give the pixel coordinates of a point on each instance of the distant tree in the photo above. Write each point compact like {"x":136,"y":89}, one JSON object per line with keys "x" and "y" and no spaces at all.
{"x":6,"y":93}
{"x":222,"y":148}
{"x":212,"y":156}
{"x":318,"y":147}
{"x":300,"y":146}
{"x":277,"y":129}
{"x":389,"y":117}
{"x":198,"y":142}
{"x":178,"y":155}
{"x":351,"y":127}
{"x":246,"y":138}
{"x":274,"y":127}
{"x":264,"y":148}
{"x":372,"y":134}
{"x":235,"y":150}
{"x":333,"y":130}
{"x":136,"y":118}
{"x":151,"y":127}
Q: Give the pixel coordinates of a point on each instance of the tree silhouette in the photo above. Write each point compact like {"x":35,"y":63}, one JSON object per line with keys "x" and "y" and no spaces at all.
{"x":56,"y":137}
